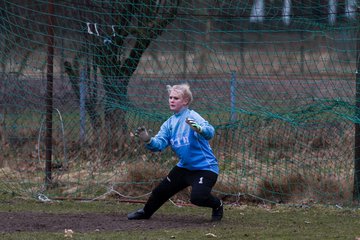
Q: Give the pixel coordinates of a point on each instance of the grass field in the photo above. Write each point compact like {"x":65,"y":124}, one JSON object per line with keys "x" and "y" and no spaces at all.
{"x":244,"y":221}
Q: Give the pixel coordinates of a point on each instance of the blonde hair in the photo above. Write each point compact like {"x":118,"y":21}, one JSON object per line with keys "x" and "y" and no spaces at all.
{"x":183,"y":89}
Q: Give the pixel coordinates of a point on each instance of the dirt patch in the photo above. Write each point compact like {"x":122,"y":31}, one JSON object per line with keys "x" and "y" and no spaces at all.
{"x":91,"y":222}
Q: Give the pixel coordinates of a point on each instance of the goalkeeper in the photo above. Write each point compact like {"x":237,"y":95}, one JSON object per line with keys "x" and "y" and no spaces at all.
{"x":187,"y":133}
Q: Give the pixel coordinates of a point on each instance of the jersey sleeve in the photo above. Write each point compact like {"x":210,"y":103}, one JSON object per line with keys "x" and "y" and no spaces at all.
{"x":161,"y":140}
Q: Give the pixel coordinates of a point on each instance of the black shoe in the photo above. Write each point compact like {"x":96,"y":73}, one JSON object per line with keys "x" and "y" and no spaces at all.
{"x":137,"y":215}
{"x":217,"y":213}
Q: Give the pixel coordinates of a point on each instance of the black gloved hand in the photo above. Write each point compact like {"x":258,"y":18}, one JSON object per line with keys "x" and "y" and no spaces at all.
{"x":143,"y":134}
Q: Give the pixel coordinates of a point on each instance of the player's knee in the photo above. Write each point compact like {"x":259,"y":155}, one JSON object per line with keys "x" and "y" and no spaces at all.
{"x":198,"y":199}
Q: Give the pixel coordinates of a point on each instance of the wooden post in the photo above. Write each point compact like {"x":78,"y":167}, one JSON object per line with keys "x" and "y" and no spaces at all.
{"x":356,"y":189}
{"x":49,"y":93}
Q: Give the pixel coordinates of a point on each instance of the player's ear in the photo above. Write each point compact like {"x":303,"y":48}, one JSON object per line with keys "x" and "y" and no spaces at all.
{"x":187,"y":101}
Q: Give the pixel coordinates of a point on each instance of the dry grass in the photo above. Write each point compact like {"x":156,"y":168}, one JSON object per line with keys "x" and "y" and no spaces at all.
{"x":276,"y":162}
{"x":271,"y":159}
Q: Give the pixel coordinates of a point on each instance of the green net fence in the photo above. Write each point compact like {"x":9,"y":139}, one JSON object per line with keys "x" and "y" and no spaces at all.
{"x":277,"y":79}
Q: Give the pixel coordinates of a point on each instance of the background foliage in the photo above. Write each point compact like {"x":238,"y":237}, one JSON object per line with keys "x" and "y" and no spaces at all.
{"x":276,"y":79}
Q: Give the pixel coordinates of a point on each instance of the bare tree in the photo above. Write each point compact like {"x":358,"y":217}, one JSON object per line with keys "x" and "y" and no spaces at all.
{"x":286,"y":11}
{"x":257,"y":11}
{"x":138,"y":22}
{"x":350,"y":9}
{"x":332,"y":11}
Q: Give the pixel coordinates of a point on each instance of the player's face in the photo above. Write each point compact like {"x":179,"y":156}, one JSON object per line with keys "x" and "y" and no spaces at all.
{"x":176,"y":101}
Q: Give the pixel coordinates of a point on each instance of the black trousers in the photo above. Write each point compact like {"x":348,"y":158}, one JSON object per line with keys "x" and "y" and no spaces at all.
{"x":201,"y":183}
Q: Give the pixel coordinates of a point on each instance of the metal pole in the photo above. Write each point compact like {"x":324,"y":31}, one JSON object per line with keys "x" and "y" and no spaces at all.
{"x":49,"y":92}
{"x":82,"y":104}
{"x":302,"y":53}
{"x":233,"y":96}
{"x":356,"y":189}
{"x":184,"y":41}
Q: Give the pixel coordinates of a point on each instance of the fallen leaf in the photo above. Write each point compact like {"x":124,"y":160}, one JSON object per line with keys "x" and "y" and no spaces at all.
{"x":210,"y":235}
{"x":68,"y":233}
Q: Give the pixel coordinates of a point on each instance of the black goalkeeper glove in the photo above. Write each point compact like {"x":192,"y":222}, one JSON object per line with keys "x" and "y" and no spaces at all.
{"x":143,"y":134}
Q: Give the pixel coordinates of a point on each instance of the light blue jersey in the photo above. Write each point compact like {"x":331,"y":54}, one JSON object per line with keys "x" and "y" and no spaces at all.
{"x":192,"y":148}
